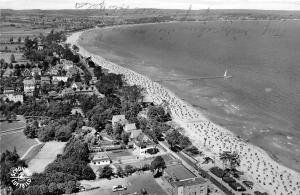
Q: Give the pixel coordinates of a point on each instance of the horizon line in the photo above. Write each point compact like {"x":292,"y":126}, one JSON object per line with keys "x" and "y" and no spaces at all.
{"x":233,"y":9}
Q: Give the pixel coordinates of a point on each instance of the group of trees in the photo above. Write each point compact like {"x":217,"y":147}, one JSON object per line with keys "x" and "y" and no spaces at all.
{"x":62,"y":175}
{"x":174,"y":137}
{"x":58,"y":129}
{"x":8,"y":161}
{"x":157,"y":166}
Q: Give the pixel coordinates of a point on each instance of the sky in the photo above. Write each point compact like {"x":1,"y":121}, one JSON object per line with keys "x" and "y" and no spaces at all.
{"x":163,"y":4}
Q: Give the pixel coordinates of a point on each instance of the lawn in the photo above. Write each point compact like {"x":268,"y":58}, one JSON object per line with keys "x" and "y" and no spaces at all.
{"x":142,"y":162}
{"x":4,"y":126}
{"x":46,"y":155}
{"x":19,"y":140}
{"x":133,"y":183}
{"x":120,"y":155}
{"x":179,"y":171}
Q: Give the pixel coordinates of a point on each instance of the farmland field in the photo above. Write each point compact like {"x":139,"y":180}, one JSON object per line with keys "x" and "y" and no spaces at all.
{"x":260,"y":102}
{"x":18,"y":140}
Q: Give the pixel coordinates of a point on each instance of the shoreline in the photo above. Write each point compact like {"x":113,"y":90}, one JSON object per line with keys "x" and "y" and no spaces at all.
{"x":197,"y":127}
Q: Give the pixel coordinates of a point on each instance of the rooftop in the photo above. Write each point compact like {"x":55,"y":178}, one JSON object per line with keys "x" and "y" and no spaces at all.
{"x":101,"y":156}
{"x":190,"y":182}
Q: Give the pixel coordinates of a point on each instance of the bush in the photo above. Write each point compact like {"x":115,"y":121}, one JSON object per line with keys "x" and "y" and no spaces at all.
{"x":228,"y":179}
{"x":237,"y":186}
{"x":217,"y":171}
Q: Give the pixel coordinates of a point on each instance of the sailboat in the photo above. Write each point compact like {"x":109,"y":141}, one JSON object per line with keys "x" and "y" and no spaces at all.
{"x":226,"y":76}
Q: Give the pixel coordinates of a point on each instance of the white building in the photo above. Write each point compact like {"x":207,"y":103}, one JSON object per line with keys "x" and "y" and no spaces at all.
{"x":101,"y":159}
{"x":129,"y":127}
{"x":118,"y":119}
{"x":56,"y":79}
{"x":14,"y":97}
{"x":29,"y":85}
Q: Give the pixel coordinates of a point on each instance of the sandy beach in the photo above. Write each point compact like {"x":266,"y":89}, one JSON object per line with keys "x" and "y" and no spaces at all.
{"x":272,"y":176}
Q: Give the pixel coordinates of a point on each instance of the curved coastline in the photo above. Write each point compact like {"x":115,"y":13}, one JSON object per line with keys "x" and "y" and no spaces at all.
{"x":266,"y":172}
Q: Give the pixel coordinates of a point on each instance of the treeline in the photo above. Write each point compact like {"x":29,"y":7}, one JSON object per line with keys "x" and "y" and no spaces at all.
{"x":9,"y":160}
{"x":62,"y":175}
{"x":49,"y":129}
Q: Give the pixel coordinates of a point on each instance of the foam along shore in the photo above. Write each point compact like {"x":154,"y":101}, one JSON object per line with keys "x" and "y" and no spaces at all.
{"x":270,"y":175}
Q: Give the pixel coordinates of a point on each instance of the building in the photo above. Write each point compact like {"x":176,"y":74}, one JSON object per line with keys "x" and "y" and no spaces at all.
{"x":45,"y":80}
{"x":76,"y":111}
{"x":129,"y":127}
{"x":53,"y":71}
{"x":118,"y":119}
{"x":135,"y":133}
{"x":26,"y":73}
{"x":101,"y":159}
{"x":8,"y":90}
{"x":15,"y":97}
{"x":76,"y":85}
{"x":36,"y":71}
{"x":67,"y":91}
{"x":56,"y":79}
{"x":142,"y":143}
{"x":193,"y":186}
{"x":29,"y":85}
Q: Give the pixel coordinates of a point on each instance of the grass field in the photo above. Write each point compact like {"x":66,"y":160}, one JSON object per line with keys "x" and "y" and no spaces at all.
{"x":18,"y":140}
{"x":141,"y":162}
{"x":46,"y":155}
{"x":5,"y":126}
{"x":179,"y":171}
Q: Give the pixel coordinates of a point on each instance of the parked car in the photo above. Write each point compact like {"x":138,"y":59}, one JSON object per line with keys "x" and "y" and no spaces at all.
{"x":119,"y":188}
{"x":248,"y":184}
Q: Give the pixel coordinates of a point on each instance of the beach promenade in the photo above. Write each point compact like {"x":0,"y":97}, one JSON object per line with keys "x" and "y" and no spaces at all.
{"x":273,"y":177}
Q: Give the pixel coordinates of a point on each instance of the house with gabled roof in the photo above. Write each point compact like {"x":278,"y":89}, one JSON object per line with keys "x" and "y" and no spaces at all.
{"x":29,"y":85}
{"x":142,"y":143}
{"x":36,"y":71}
{"x":56,"y":79}
{"x":119,"y":119}
{"x":129,"y":127}
{"x":67,"y":91}
{"x":45,"y":80}
{"x":26,"y":72}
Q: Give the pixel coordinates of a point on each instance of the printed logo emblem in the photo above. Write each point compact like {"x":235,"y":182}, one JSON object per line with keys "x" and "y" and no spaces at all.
{"x":20,"y":177}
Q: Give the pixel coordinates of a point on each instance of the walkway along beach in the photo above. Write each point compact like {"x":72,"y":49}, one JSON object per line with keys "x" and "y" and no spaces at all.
{"x":272,"y":176}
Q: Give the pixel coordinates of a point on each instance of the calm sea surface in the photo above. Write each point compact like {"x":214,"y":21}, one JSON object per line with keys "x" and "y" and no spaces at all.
{"x":260,"y":103}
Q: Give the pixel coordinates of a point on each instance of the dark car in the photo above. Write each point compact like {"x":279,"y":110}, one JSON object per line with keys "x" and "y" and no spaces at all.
{"x":248,"y":184}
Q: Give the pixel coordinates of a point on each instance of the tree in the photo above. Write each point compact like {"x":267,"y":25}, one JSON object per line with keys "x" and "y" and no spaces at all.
{"x":70,"y":187}
{"x":120,"y":171}
{"x":233,"y":158}
{"x":158,"y":164}
{"x":52,"y":188}
{"x":158,"y":113}
{"x":12,"y":58}
{"x":43,"y":189}
{"x":106,"y":172}
{"x":109,"y":129}
{"x":125,"y":137}
{"x":30,"y":131}
{"x":193,"y":150}
{"x":118,"y":130}
{"x":33,"y":190}
{"x":129,"y":169}
{"x":19,"y":191}
{"x":75,"y":48}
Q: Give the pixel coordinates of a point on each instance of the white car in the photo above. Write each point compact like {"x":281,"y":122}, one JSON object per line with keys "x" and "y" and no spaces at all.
{"x":119,"y":188}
